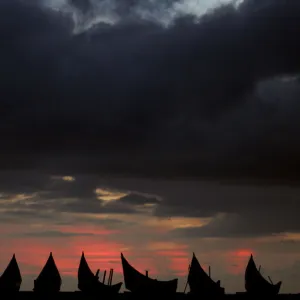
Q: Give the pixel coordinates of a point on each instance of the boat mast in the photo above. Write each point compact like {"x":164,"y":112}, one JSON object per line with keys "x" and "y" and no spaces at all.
{"x":104,"y":275}
{"x":270,"y":279}
{"x":110,"y":277}
{"x":187,"y":280}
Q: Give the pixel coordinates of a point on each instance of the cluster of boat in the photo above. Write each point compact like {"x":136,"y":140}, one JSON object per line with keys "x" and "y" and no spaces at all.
{"x":200,"y":283}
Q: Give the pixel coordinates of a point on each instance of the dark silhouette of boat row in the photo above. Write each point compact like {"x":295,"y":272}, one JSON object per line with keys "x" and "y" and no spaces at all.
{"x":200,"y":283}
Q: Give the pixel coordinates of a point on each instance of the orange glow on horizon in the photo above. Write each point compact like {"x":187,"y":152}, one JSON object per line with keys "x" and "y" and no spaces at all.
{"x":238,"y":260}
{"x":163,"y":258}
{"x":244,"y":252}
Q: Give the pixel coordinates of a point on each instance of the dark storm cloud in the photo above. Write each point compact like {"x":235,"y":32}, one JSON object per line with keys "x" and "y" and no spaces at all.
{"x":136,"y":97}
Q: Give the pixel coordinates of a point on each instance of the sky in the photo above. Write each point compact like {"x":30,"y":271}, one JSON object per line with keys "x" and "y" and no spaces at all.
{"x":155,"y":128}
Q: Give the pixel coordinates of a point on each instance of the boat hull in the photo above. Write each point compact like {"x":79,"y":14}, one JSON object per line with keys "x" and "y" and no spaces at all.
{"x":138,"y":283}
{"x":46,"y":287}
{"x":271,"y":290}
{"x":9,"y":287}
{"x":100,"y":288}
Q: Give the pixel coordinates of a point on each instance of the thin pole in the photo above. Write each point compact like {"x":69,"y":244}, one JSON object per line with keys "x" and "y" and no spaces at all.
{"x":187,"y":280}
{"x":104,"y":275}
{"x":270,"y":279}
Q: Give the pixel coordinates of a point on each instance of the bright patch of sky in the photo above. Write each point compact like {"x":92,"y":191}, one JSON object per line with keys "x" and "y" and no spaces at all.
{"x":104,"y":11}
{"x":109,"y":195}
{"x":64,"y":178}
{"x":198,"y":7}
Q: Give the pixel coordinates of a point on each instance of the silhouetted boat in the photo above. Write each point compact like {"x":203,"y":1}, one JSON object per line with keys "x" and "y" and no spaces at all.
{"x":89,"y":283}
{"x":256,"y":284}
{"x":136,"y":282}
{"x":49,"y":280}
{"x":11,"y":278}
{"x":200,"y":282}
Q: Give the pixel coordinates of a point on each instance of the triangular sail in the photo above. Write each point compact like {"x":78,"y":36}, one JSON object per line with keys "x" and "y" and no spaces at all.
{"x":131,"y":271}
{"x":253,"y":273}
{"x":11,"y":277}
{"x":49,"y":271}
{"x":256,"y":283}
{"x":49,"y":279}
{"x":200,"y":282}
{"x":84,"y":271}
{"x":197,"y":271}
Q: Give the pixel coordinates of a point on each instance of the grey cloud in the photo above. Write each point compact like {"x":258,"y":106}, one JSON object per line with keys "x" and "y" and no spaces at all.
{"x":22,"y":182}
{"x":125,"y":205}
{"x":208,"y":198}
{"x":237,"y":209}
{"x":244,"y":225}
{"x":51,"y":197}
{"x":86,"y":12}
{"x":135,"y":97}
{"x":44,"y":187}
{"x":82,"y":187}
{"x":65,"y":216}
{"x":95,"y":207}
{"x":21,"y":216}
{"x":48,"y":209}
{"x":107,"y":222}
{"x":54,"y":234}
{"x":243,"y":211}
{"x":135,"y":199}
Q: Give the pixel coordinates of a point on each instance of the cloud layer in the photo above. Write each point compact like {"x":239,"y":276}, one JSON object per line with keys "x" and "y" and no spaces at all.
{"x":187,"y":209}
{"x":202,"y":96}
